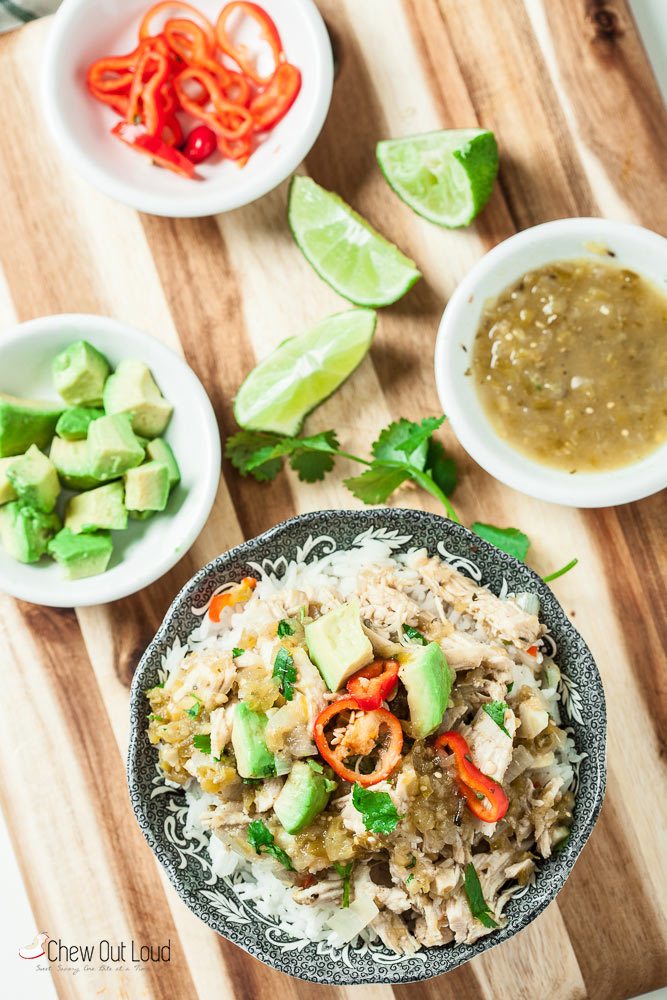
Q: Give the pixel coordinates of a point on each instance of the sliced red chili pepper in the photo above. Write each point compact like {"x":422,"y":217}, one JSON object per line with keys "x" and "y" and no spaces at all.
{"x":273,"y":103}
{"x":241,"y":592}
{"x":230,"y":121}
{"x":238,"y":52}
{"x":373,"y":684}
{"x":164,"y":155}
{"x":171,"y":5}
{"x":361,"y":735}
{"x":145,"y":103}
{"x":532,"y":650}
{"x":238,"y":150}
{"x":484,"y":796}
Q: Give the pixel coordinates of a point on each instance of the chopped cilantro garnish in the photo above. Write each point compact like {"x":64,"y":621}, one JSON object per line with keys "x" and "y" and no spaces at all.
{"x":260,"y":837}
{"x":412,"y":863}
{"x":409,"y":879}
{"x":202,"y":741}
{"x":377,"y":809}
{"x":315,"y":765}
{"x":284,"y":628}
{"x":510,"y":686}
{"x":344,"y":871}
{"x":154,"y":717}
{"x":195,"y":709}
{"x":478,"y":906}
{"x":496,"y":711}
{"x":415,"y":635}
{"x":236,"y":652}
{"x":285,"y":673}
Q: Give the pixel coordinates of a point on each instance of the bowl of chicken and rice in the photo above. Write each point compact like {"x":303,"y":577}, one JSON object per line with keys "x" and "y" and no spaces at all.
{"x":367,"y":746}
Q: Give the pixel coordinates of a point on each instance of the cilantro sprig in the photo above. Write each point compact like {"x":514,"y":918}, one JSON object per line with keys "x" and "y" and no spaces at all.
{"x":404,"y":451}
{"x":284,"y":672}
{"x":496,"y":711}
{"x":414,"y":635}
{"x":377,"y":809}
{"x":284,"y":628}
{"x":261,"y":838}
{"x":344,"y":871}
{"x":479,"y":908}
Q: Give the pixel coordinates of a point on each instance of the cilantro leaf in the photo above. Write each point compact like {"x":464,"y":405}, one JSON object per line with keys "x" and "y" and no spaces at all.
{"x":440,"y":467}
{"x":285,"y":673}
{"x":154,"y":717}
{"x":311,"y":466}
{"x":236,"y":652}
{"x":195,"y":709}
{"x":409,"y":879}
{"x":412,"y":863}
{"x":389,"y":446}
{"x":478,"y":906}
{"x":509,"y":540}
{"x":284,"y":628}
{"x":377,"y":809}
{"x":315,"y":766}
{"x":415,"y":635}
{"x":561,"y":572}
{"x":202,"y":741}
{"x":242,"y":450}
{"x":344,"y":871}
{"x":496,"y":711}
{"x":259,"y":836}
{"x":420,"y":434}
{"x":378,"y":483}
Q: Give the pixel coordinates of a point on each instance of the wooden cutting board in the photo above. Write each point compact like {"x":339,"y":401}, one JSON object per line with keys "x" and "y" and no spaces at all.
{"x":566,"y":87}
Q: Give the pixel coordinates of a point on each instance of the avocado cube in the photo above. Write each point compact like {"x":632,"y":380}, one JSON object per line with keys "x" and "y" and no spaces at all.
{"x":253,"y":758}
{"x":25,"y":532}
{"x":35,"y":479}
{"x":73,"y":424}
{"x":140,"y":515}
{"x":132,"y":390}
{"x":303,"y":797}
{"x":160,"y":451}
{"x":112,"y":447}
{"x":79,"y":374}
{"x":81,"y":555}
{"x":97,"y":509}
{"x":7,"y":491}
{"x":72,"y":464}
{"x":147,"y":487}
{"x":428,"y":680}
{"x":24,"y":422}
{"x":337,"y":644}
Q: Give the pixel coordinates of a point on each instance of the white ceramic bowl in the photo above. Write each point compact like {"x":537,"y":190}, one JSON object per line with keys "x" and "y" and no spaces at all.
{"x":636,"y":248}
{"x":85,"y":30}
{"x":146,"y":549}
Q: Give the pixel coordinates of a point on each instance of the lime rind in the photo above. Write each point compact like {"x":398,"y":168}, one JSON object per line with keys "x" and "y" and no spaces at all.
{"x":303,"y":371}
{"x":344,"y":249}
{"x":446,"y":176}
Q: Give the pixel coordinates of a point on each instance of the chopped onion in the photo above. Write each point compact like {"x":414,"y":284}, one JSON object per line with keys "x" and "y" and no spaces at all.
{"x":351,"y":921}
{"x":530,"y":603}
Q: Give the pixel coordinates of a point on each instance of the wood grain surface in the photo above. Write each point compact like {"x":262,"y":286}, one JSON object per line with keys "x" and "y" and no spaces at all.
{"x":567,"y":89}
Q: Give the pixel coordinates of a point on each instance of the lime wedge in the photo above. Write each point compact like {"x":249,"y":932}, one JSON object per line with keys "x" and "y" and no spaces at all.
{"x":344,"y":249}
{"x":445,"y":176}
{"x":300,"y":374}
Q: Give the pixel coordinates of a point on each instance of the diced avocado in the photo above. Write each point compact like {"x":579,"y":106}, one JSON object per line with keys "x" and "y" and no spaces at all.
{"x":100,"y":508}
{"x":147,"y":487}
{"x":79,"y":374}
{"x":303,"y":797}
{"x":337,"y":644}
{"x":132,"y":390}
{"x":112,"y":447}
{"x":7,"y":491}
{"x":81,"y":555}
{"x":428,"y":680}
{"x":72,"y":464}
{"x":73,"y":424}
{"x":35,"y":479}
{"x":253,"y":759}
{"x":24,"y":422}
{"x":160,"y":451}
{"x":140,"y":515}
{"x":25,"y":532}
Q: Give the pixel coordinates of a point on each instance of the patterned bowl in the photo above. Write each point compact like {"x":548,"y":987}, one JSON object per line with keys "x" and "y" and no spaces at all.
{"x":161,"y":809}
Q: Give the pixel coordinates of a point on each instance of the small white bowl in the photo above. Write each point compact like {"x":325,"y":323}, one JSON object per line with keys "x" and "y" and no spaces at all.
{"x":85,"y":30}
{"x":636,"y":248}
{"x":146,"y":549}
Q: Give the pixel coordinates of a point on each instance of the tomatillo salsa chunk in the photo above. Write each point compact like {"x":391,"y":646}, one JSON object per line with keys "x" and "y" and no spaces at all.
{"x":360,"y":746}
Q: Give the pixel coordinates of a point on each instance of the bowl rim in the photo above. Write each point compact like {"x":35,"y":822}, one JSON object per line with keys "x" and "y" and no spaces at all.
{"x":512,"y":467}
{"x":337,"y":974}
{"x":199,"y":203}
{"x":99,"y":589}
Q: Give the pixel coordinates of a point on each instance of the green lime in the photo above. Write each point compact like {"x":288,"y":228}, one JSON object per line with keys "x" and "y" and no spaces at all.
{"x":344,"y":249}
{"x":445,"y":176}
{"x":300,"y":374}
